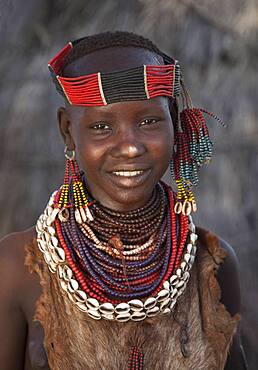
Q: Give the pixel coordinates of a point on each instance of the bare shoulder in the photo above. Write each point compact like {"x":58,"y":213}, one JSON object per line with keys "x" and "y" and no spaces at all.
{"x":12,"y":249}
{"x":229,"y":279}
{"x":14,"y":275}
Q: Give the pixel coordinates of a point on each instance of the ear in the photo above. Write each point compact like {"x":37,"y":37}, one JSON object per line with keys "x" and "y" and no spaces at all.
{"x":65,"y":127}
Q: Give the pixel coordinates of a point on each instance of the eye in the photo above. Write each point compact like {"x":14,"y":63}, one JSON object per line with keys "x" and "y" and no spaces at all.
{"x":100,"y":126}
{"x":149,"y":121}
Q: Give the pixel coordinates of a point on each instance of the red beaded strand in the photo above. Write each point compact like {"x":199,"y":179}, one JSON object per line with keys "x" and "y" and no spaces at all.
{"x":176,"y":252}
{"x":84,"y":90}
{"x":135,"y":361}
{"x":159,"y":80}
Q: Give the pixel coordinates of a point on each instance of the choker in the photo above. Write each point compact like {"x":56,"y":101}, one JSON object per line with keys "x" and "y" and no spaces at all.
{"x":120,"y":266}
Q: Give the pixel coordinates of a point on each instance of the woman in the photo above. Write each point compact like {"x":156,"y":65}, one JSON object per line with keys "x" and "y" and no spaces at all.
{"x":108,"y":279}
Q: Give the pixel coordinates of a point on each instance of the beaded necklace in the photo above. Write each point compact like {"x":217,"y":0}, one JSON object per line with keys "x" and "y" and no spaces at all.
{"x":120,"y":266}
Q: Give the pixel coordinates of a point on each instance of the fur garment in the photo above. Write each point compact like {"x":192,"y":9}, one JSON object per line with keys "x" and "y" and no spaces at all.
{"x":197,"y":335}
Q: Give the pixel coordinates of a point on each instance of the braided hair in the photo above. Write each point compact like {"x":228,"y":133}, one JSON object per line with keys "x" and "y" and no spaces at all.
{"x":89,"y":44}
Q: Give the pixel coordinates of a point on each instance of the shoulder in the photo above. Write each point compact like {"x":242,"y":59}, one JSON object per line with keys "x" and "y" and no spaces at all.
{"x":12,"y":248}
{"x":14,"y":274}
{"x":229,"y":279}
{"x":227,"y":269}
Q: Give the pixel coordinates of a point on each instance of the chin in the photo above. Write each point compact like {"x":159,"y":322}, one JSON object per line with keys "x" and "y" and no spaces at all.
{"x":127,"y":200}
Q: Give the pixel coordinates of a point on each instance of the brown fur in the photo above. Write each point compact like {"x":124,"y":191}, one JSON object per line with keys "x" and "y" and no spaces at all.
{"x":197,"y":336}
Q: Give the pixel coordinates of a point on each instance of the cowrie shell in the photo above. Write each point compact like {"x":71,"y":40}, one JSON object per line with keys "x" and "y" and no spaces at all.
{"x":153,"y":311}
{"x":150,"y":303}
{"x":172,"y":304}
{"x":166,"y":285}
{"x":107,"y":308}
{"x":174,"y":279}
{"x":186,"y":276}
{"x":122,"y":308}
{"x":92,"y":304}
{"x":123,"y":317}
{"x":94,"y":314}
{"x":162,"y":295}
{"x":165,"y":304}
{"x":193,"y":237}
{"x":60,"y":253}
{"x":136,"y":305}
{"x":166,"y":311}
{"x":80,"y":296}
{"x":189,"y":247}
{"x":72,"y":285}
{"x":179,"y":273}
{"x":174,"y":294}
{"x":180,"y":284}
{"x":184,"y":266}
{"x":54,"y":241}
{"x":67,"y":273}
{"x":187,"y":257}
{"x":138,"y":316}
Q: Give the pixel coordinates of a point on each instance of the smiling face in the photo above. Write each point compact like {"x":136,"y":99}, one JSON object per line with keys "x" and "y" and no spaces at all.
{"x":124,"y":148}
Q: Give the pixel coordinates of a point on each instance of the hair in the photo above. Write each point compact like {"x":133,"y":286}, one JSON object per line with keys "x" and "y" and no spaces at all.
{"x":89,"y":44}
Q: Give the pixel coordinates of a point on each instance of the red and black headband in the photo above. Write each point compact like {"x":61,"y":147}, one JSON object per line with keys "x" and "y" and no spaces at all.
{"x":97,"y":89}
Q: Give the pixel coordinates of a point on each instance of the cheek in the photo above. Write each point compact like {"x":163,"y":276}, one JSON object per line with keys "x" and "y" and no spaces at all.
{"x":88,"y":153}
{"x":162,"y":145}
{"x":90,"y":156}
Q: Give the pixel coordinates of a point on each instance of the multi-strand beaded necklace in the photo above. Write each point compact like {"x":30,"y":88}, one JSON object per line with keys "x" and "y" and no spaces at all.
{"x":121,"y":266}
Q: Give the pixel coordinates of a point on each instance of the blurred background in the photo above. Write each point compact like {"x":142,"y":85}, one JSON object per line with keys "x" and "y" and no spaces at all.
{"x":216,"y":44}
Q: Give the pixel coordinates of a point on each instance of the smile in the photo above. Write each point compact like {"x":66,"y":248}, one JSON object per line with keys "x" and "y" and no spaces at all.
{"x":128,"y":173}
{"x":129,"y":178}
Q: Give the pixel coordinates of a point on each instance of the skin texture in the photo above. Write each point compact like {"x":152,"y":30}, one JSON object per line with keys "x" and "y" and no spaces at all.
{"x":128,"y":135}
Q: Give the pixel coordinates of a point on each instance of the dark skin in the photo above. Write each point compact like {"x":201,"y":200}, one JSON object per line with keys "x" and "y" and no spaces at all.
{"x":120,"y":137}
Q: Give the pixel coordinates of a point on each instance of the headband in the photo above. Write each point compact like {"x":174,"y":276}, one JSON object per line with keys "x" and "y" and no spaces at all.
{"x":96,"y":89}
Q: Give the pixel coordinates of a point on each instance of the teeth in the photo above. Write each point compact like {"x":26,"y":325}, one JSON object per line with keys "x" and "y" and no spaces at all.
{"x":127,"y":173}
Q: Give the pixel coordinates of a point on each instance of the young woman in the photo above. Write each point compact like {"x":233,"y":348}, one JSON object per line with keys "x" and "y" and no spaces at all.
{"x":113,"y":275}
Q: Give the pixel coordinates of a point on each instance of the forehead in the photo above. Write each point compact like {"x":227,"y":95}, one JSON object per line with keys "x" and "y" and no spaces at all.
{"x":112,"y":59}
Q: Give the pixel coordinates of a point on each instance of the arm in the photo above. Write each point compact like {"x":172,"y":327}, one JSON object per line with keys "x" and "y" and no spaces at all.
{"x":13,"y":326}
{"x":228,"y":278}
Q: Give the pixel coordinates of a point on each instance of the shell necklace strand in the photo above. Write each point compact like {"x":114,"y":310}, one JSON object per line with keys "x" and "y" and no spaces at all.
{"x":120,"y":266}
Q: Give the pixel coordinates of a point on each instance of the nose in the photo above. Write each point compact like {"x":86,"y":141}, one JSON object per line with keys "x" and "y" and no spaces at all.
{"x":127,"y":144}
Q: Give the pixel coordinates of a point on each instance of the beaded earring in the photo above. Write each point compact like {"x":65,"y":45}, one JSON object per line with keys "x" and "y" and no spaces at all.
{"x":77,"y":198}
{"x":192,"y":149}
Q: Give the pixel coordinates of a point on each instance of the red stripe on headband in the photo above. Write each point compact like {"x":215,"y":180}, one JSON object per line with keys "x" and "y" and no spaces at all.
{"x":84,"y":90}
{"x":57,"y":62}
{"x":160,"y":80}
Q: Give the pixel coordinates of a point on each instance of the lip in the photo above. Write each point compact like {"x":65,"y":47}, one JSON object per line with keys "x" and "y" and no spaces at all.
{"x":129,"y":181}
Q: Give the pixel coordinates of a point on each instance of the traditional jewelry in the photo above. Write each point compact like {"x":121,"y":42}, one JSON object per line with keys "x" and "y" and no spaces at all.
{"x":110,"y":282}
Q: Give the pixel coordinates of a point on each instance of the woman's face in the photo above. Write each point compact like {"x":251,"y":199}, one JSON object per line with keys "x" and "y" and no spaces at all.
{"x":124,"y":148}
